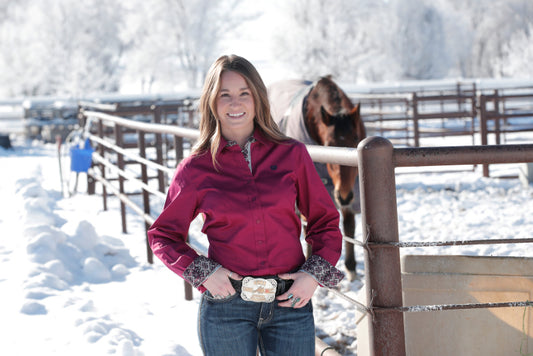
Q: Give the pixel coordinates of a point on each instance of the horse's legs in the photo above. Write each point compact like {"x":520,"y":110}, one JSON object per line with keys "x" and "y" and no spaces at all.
{"x":348,"y":223}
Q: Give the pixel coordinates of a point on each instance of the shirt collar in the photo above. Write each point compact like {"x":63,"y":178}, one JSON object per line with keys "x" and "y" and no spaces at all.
{"x":250,"y":139}
{"x":257,"y":136}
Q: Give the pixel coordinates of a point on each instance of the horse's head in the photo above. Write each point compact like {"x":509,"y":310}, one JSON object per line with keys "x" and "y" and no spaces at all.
{"x":342,"y":130}
{"x":332,"y":120}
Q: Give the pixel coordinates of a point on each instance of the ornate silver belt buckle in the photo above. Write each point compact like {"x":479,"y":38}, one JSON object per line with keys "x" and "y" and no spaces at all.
{"x":258,"y":290}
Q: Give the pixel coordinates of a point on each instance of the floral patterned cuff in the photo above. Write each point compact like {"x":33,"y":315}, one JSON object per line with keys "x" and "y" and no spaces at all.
{"x":325,"y":274}
{"x":198,"y":271}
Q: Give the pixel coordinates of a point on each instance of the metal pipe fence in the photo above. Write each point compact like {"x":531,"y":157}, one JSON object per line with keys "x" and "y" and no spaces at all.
{"x":376,"y":159}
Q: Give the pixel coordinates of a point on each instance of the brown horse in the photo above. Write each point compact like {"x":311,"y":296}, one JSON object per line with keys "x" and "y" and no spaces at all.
{"x":320,"y":113}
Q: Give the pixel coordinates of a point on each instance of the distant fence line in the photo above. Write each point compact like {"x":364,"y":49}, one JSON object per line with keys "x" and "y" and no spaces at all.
{"x":407,"y":114}
{"x":409,"y":117}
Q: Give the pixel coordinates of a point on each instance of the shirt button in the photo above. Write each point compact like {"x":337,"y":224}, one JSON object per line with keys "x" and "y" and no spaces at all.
{"x":258,"y":221}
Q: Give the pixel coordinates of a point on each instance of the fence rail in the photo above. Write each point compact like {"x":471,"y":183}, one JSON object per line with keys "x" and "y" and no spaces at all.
{"x":411,"y":119}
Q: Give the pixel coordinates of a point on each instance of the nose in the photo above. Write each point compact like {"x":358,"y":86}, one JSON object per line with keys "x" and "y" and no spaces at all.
{"x":235,"y":101}
{"x":344,"y":201}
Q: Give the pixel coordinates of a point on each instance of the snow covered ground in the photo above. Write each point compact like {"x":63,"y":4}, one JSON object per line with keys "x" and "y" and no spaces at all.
{"x":71,"y":283}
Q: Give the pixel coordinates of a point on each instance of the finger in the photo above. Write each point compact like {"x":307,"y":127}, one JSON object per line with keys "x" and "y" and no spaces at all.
{"x":295,"y":301}
{"x":235,"y":276}
{"x":301,"y":303}
{"x":286,"y":275}
{"x":285,"y":296}
{"x":285,"y":304}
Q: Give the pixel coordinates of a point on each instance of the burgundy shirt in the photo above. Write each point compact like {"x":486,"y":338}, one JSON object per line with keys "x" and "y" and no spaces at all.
{"x":249,"y":214}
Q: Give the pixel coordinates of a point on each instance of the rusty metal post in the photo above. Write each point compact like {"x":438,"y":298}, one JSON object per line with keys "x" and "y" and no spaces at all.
{"x":380,"y":224}
{"x":101,"y":151}
{"x":416,"y":130}
{"x":145,"y":193}
{"x":161,"y":178}
{"x":159,"y":149}
{"x":497,"y":124}
{"x":178,"y":148}
{"x":474,"y":114}
{"x":119,"y":140}
{"x":484,"y":128}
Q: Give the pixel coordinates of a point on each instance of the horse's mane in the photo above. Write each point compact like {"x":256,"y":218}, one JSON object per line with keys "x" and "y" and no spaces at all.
{"x":334,"y":98}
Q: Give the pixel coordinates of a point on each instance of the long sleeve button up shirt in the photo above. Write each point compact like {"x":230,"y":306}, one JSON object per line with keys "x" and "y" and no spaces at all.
{"x":249,"y":214}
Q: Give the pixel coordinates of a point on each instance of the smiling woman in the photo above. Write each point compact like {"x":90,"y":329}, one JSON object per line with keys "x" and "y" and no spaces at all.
{"x":256,"y":282}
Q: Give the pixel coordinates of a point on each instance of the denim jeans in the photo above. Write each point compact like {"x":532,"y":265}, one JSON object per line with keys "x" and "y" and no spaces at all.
{"x":232,"y":326}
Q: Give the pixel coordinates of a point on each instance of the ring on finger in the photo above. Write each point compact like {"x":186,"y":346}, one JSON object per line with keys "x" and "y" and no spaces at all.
{"x":296,"y":300}
{"x":290,"y":296}
{"x":230,"y":274}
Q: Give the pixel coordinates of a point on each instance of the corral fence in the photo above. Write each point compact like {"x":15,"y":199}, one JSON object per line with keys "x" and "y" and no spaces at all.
{"x":483,"y":115}
{"x":376,"y":158}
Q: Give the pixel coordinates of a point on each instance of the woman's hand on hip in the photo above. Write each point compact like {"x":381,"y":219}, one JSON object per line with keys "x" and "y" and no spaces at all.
{"x":301,"y":291}
{"x":218,"y":283}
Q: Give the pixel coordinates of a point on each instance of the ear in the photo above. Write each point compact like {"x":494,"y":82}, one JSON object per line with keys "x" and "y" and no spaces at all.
{"x":355,"y":115}
{"x":326,"y":117}
{"x":356,"y":112}
{"x":359,"y":126}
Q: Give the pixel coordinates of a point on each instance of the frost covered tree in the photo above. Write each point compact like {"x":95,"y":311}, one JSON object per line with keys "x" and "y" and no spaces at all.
{"x":401,"y":39}
{"x":369,"y":40}
{"x":320,"y":37}
{"x":61,"y":47}
{"x":419,"y":45}
{"x":493,"y":23}
{"x":82,"y":47}
{"x":517,"y":56}
{"x":175,"y":41}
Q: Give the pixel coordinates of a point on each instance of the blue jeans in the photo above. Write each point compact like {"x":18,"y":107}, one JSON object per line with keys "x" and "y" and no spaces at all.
{"x":232,"y":326}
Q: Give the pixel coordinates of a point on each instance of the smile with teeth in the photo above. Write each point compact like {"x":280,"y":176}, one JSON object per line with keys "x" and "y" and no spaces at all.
{"x":236,"y":115}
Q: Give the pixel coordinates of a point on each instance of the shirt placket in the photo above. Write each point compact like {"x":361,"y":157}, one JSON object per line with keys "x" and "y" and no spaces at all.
{"x":257,"y":212}
{"x":258,"y":225}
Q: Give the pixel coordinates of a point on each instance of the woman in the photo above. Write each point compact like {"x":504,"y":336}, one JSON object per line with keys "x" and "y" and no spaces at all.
{"x":245,"y":178}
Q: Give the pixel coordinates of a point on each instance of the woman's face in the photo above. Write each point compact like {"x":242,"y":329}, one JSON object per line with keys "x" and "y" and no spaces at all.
{"x":235,"y":107}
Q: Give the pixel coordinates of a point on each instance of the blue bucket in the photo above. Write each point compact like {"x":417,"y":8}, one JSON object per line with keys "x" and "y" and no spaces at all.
{"x":81,"y":158}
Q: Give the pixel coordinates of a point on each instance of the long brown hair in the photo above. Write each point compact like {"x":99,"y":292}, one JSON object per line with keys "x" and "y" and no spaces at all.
{"x":210,"y":131}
